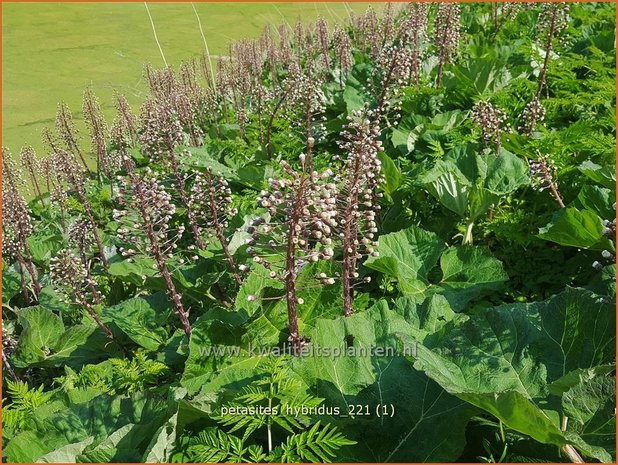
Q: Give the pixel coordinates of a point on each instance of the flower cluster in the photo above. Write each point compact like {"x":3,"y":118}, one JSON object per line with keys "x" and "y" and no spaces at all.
{"x":343,"y":52}
{"x":32,"y":165}
{"x":211,"y":202}
{"x":98,"y":132}
{"x":358,"y":204}
{"x":541,"y":171}
{"x":323,"y":41}
{"x":553,"y":20}
{"x":73,"y":281}
{"x":161,"y":130}
{"x":533,"y":113}
{"x":80,"y":235}
{"x":446,"y":35}
{"x":68,"y":272}
{"x":145,"y":227}
{"x":306,"y":202}
{"x":175,"y":102}
{"x":302,"y":206}
{"x":16,"y":219}
{"x":414,"y":36}
{"x":126,"y":119}
{"x":68,"y":132}
{"x":144,"y":197}
{"x":17,"y":224}
{"x":70,"y":172}
{"x":491,"y":120}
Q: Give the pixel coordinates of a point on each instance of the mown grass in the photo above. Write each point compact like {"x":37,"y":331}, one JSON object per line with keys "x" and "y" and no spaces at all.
{"x":52,"y":51}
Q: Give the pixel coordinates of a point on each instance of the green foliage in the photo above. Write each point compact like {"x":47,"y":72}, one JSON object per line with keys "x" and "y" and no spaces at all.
{"x":483,"y":323}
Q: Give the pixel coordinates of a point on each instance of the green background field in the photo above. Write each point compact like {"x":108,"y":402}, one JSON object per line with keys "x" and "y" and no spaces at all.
{"x":53,"y":51}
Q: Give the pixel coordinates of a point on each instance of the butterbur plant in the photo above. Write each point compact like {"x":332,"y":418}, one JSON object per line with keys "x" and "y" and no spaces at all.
{"x":541,"y":171}
{"x":32,"y":166}
{"x":210,"y":200}
{"x":162,"y":132}
{"x":17,"y":225}
{"x":343,"y":53}
{"x":534,"y":113}
{"x":145,"y":228}
{"x":491,"y":120}
{"x":552,"y":21}
{"x":283,"y":230}
{"x":303,"y":208}
{"x":106,"y":162}
{"x":126,"y":118}
{"x":414,"y":37}
{"x":446,"y":35}
{"x":74,"y":283}
{"x":68,"y":132}
{"x":357,"y":200}
{"x":71,"y":172}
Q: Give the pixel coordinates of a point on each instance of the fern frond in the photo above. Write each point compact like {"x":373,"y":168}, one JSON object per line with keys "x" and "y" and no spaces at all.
{"x":315,"y":445}
{"x":213,"y":445}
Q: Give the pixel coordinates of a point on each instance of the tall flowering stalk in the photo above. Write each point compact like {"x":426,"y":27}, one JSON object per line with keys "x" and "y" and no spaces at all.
{"x":343,"y":52}
{"x":98,"y":133}
{"x":302,"y":97}
{"x":73,"y":282}
{"x":357,"y":206}
{"x":302,"y":207}
{"x":80,"y":236}
{"x":125,"y":117}
{"x":211,"y":200}
{"x":414,"y":36}
{"x":162,"y":133}
{"x":323,"y":41}
{"x":68,"y":132}
{"x":17,"y":224}
{"x":145,"y":228}
{"x":446,"y":35}
{"x":491,"y":120}
{"x":70,"y":171}
{"x":54,"y":184}
{"x":553,"y":19}
{"x":32,"y":166}
{"x":542,"y":177}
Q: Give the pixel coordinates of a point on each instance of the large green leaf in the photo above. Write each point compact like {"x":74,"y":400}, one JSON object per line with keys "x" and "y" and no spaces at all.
{"x":603,"y":175}
{"x":217,"y":354}
{"x":41,"y":332}
{"x":599,"y":200}
{"x":160,"y":448}
{"x":44,"y":341}
{"x":468,"y":183}
{"x":502,"y":359}
{"x":576,"y":228}
{"x":410,"y":254}
{"x":428,"y":424}
{"x":200,"y":157}
{"x":467,"y":272}
{"x":140,"y":321}
{"x":392,"y":174}
{"x":11,"y":284}
{"x":66,"y":454}
{"x":111,"y":428}
{"x":448,"y":184}
{"x":590,"y":408}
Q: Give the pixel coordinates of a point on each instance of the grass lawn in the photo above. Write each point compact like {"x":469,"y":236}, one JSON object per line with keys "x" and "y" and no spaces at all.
{"x":53,"y":51}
